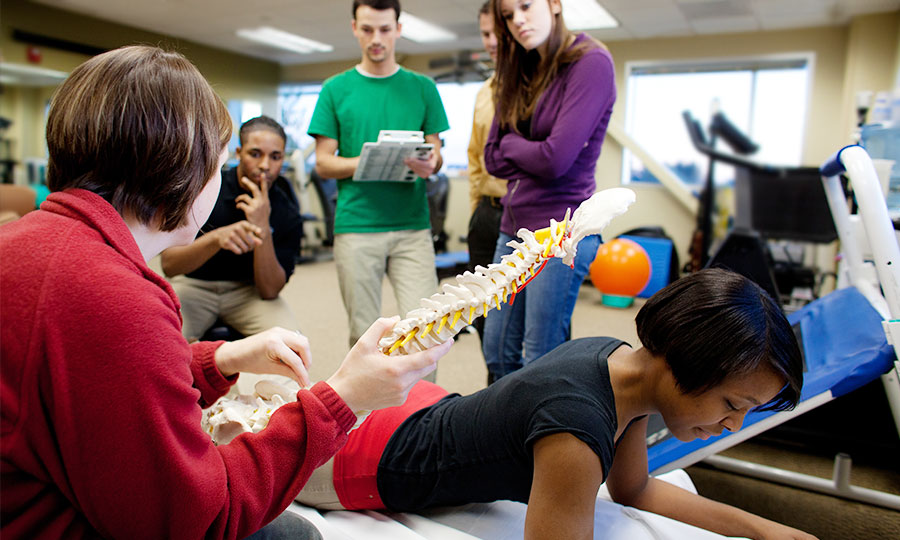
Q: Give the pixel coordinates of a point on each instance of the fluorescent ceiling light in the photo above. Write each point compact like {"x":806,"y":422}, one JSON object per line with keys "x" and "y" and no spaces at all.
{"x":586,"y":14}
{"x":28,"y":75}
{"x":24,"y":69}
{"x":283,"y":40}
{"x":415,"y":29}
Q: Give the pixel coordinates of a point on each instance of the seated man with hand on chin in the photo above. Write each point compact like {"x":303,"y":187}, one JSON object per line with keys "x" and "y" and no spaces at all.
{"x":245,"y":252}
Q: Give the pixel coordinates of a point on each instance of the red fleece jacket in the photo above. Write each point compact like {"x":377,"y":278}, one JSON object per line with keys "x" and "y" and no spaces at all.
{"x":101,"y":396}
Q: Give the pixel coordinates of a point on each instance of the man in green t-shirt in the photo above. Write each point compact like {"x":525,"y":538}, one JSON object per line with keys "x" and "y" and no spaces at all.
{"x":378,"y":226}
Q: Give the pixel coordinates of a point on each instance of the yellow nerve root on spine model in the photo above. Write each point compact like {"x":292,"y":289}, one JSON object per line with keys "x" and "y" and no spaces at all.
{"x":444,"y":314}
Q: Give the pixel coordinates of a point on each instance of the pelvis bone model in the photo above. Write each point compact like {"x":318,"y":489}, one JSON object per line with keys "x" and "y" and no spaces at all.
{"x":444,"y":314}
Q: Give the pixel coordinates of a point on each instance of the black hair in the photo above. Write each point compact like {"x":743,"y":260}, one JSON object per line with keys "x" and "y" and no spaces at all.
{"x":485,"y":8}
{"x":716,"y":323}
{"x":261,"y":122}
{"x":378,"y":5}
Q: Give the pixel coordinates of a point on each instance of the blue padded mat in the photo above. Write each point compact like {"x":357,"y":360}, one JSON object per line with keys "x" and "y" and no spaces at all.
{"x":451,"y":259}
{"x":659,"y":250}
{"x":844,"y":348}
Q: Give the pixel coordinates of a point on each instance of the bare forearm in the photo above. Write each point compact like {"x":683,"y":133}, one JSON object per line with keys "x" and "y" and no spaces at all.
{"x":440,"y":162}
{"x":332,"y":166}
{"x":185,"y":259}
{"x":435,"y":139}
{"x":671,"y":501}
{"x":268,"y":274}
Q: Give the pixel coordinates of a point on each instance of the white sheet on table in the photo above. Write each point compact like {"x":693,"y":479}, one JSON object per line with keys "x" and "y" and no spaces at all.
{"x":501,"y":520}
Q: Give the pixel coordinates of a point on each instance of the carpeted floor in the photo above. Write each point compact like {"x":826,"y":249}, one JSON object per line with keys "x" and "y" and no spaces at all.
{"x":826,"y":517}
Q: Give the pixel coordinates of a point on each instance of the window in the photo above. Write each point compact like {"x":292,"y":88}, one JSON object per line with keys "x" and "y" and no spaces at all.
{"x":241,"y":110}
{"x":459,"y":103}
{"x":766,"y":99}
{"x":296,"y":104}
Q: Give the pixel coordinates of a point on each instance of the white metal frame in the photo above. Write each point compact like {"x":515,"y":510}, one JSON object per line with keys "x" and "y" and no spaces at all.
{"x":881,"y":287}
{"x":884,"y":291}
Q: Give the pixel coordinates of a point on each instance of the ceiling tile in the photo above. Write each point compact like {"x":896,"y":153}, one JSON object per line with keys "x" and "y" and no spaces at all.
{"x":213,"y":22}
{"x":721,"y":25}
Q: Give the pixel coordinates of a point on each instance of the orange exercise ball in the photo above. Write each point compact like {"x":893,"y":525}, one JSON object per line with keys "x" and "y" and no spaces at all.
{"x":620,"y":271}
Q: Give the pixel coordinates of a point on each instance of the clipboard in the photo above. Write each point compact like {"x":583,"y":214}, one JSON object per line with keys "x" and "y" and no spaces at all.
{"x":382,"y":161}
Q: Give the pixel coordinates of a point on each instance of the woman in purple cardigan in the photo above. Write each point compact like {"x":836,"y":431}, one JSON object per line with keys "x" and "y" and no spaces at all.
{"x":553,"y":95}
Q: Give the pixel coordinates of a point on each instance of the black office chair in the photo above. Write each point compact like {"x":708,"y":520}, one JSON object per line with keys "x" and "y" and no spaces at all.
{"x":327,"y":191}
{"x":220,"y":331}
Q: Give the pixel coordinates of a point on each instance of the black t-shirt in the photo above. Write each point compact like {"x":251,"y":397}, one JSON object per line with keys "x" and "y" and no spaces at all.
{"x":478,"y":448}
{"x":284,"y":221}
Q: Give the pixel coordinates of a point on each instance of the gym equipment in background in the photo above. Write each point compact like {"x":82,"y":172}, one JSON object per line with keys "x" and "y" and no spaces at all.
{"x":848,"y":339}
{"x":771,"y":203}
{"x":620,"y":271}
{"x":719,"y":127}
{"x":664,"y":266}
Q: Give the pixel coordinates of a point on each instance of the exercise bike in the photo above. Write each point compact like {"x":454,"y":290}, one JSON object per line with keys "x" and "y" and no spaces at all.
{"x":771,"y":203}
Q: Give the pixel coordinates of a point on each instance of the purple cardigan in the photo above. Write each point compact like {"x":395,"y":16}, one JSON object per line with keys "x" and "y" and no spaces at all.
{"x":553,"y":168}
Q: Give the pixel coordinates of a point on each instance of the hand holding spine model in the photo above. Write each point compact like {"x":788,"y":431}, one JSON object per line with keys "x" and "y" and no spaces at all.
{"x":439,"y":317}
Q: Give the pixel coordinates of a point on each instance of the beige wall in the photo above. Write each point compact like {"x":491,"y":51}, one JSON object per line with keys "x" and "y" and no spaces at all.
{"x":233,"y":76}
{"x":871,"y":58}
{"x":315,"y":73}
{"x":25,"y":106}
{"x":897,"y":55}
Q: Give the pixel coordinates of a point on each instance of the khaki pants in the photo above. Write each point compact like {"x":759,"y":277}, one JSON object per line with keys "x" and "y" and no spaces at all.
{"x":362,"y":259}
{"x":319,"y":491}
{"x":238,"y":304}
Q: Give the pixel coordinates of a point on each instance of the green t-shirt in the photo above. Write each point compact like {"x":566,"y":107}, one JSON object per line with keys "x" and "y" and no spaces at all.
{"x":352,"y":109}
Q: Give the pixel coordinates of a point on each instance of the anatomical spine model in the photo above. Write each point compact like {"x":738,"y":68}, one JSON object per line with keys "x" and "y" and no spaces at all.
{"x":444,"y":314}
{"x":475,"y":294}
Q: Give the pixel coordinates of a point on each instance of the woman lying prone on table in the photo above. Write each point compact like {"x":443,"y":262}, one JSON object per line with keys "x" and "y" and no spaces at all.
{"x":715,"y":345}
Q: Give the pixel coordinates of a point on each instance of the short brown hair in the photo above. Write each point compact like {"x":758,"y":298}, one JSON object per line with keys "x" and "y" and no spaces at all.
{"x":378,"y":5}
{"x":140,"y":127}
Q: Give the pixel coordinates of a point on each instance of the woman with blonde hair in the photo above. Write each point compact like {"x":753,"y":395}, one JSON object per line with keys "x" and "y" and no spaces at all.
{"x":553,"y":95}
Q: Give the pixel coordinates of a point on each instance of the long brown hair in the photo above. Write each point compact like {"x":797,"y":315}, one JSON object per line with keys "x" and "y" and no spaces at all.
{"x":522,"y":76}
{"x":140,"y":127}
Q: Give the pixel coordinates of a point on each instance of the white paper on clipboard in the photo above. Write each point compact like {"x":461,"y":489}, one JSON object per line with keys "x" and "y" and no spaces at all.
{"x":383,"y":160}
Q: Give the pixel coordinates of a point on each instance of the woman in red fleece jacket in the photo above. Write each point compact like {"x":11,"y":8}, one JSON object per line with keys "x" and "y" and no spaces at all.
{"x":101,"y":395}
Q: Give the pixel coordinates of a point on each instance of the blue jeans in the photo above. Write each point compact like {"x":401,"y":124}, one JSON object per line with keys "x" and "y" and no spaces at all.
{"x":287,"y":526}
{"x":541,"y":316}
